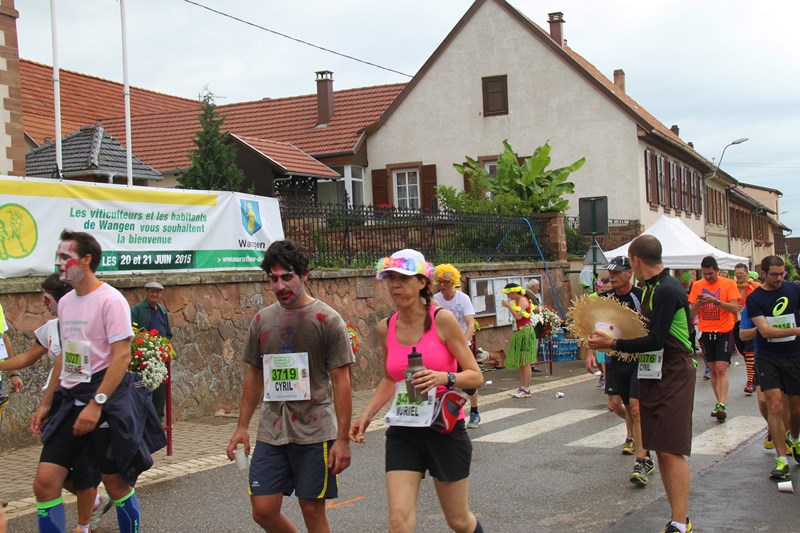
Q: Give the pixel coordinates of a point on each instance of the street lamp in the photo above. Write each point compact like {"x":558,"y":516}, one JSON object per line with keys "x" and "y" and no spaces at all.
{"x":740,"y":140}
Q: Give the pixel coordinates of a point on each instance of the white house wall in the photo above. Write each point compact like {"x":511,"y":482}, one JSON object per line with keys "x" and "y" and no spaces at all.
{"x":441,"y":120}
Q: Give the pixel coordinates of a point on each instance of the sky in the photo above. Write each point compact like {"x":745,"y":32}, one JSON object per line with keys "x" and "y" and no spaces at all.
{"x":719,"y":69}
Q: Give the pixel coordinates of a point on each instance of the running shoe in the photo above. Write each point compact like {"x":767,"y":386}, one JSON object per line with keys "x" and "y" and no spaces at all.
{"x":671,"y":528}
{"x":768,"y":444}
{"x":97,"y":514}
{"x":721,"y":412}
{"x":749,"y":388}
{"x":707,"y":373}
{"x":521,"y":392}
{"x":650,"y":465}
{"x":474,"y":420}
{"x":792,"y":447}
{"x":629,"y":448}
{"x":601,"y":383}
{"x":781,"y":470}
{"x":639,"y":474}
{"x":535,"y":369}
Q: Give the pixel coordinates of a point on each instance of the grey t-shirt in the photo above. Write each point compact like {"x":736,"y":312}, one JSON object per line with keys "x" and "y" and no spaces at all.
{"x":320,"y":331}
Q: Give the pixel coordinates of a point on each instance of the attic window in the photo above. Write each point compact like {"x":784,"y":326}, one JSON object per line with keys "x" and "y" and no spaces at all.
{"x":495,"y":95}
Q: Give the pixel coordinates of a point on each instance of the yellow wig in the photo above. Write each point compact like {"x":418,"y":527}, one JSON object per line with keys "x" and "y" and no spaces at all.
{"x":448,"y":272}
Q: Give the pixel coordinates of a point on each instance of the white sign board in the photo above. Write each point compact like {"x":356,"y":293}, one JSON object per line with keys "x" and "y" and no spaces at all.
{"x":141,"y":229}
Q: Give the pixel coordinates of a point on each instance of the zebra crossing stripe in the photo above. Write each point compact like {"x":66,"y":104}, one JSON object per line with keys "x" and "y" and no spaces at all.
{"x":501,"y":413}
{"x":538,"y":427}
{"x":609,"y":438}
{"x":724,"y":438}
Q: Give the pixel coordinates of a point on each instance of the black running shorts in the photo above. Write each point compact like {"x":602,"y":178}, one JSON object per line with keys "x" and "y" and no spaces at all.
{"x":717,"y":347}
{"x":622,"y":379}
{"x":775,"y":372}
{"x":446,"y":457}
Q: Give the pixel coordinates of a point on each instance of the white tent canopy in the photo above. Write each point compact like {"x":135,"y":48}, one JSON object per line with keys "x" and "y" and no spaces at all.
{"x":681,"y":247}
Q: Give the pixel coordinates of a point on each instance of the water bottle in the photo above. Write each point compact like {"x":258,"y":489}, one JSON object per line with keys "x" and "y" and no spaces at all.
{"x":414,"y":366}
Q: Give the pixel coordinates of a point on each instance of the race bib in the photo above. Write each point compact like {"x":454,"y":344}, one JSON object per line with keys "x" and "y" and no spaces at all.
{"x":77,"y":367}
{"x":3,"y":350}
{"x":286,"y":377}
{"x":410,"y":414}
{"x":650,"y":365}
{"x":782,"y":322}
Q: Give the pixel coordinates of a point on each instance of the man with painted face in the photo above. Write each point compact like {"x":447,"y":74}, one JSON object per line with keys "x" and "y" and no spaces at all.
{"x":772,"y":307}
{"x":298,"y":356}
{"x":93,"y":405}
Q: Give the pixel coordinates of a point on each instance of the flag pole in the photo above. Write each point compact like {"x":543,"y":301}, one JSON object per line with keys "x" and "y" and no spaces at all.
{"x":56,"y":86}
{"x":127,"y":92}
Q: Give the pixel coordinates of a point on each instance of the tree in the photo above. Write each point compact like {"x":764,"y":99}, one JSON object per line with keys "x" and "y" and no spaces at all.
{"x":213,"y":161}
{"x":528,"y":186}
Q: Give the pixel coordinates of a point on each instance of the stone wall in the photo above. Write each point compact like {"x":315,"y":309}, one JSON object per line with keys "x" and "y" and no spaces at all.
{"x":210,"y":314}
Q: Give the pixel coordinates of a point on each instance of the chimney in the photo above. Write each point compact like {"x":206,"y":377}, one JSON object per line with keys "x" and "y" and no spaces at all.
{"x":675,"y":129}
{"x":557,"y":21}
{"x":324,"y":97}
{"x":619,"y":79}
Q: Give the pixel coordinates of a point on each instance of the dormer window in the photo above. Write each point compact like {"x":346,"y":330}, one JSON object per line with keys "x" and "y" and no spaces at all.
{"x":495,"y":96}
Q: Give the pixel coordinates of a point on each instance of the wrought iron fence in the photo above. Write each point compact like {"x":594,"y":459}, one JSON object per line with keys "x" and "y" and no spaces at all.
{"x":620,"y":231}
{"x":341,"y":236}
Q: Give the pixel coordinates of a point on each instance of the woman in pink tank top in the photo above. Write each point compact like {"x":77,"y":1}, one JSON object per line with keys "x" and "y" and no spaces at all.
{"x":411,"y":451}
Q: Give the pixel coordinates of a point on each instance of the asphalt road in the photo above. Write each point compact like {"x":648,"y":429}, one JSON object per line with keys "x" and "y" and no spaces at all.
{"x":539,"y":465}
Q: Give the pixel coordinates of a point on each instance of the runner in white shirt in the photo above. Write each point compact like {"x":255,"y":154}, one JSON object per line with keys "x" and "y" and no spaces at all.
{"x":447,"y":278}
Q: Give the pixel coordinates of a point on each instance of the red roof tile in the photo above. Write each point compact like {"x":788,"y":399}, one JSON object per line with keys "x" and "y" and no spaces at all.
{"x":290,"y":158}
{"x":164,"y":140}
{"x":84,"y":100}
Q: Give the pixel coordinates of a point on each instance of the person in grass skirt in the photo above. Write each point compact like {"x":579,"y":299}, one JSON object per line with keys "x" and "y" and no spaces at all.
{"x":522,"y":349}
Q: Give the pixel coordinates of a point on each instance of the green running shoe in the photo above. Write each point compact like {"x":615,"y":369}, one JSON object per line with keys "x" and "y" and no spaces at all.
{"x":781,"y":470}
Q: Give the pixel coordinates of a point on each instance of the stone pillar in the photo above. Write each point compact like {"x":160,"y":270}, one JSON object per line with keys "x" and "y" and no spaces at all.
{"x":12,"y":140}
{"x":556,"y":235}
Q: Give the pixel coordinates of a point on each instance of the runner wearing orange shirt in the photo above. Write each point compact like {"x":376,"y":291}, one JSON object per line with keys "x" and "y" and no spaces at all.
{"x":716,"y":301}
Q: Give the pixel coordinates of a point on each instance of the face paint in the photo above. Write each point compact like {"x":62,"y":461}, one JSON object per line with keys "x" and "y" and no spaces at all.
{"x":51,"y":304}
{"x":68,"y":263}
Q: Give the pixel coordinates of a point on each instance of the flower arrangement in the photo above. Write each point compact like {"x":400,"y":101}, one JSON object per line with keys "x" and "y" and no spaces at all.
{"x":545,"y":321}
{"x":355,"y":338}
{"x":149,"y":355}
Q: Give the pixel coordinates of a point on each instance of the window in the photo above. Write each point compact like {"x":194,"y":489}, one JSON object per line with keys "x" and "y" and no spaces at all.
{"x":648,"y":176}
{"x":490,"y":167}
{"x":406,"y":182}
{"x":495,"y":96}
{"x":685,"y":189}
{"x":661,"y":179}
{"x":674,"y":192}
{"x":350,"y":186}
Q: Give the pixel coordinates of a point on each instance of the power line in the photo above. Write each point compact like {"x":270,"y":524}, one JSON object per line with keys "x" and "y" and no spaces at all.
{"x":296,"y":39}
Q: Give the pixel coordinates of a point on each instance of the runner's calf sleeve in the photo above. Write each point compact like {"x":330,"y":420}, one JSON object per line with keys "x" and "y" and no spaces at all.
{"x":51,"y":516}
{"x":748,"y":363}
{"x":128,"y":513}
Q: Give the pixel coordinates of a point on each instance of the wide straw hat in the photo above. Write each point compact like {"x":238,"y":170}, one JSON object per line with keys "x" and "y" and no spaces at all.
{"x":604,"y":315}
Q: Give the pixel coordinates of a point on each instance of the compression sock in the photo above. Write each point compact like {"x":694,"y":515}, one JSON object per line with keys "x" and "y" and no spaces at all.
{"x":748,"y":363}
{"x":473,"y":410}
{"x":478,"y":528}
{"x":81,"y":529}
{"x":128,"y":513}
{"x":51,"y":516}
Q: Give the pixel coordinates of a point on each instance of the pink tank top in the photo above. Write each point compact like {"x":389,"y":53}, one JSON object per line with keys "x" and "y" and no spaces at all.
{"x":435,"y":354}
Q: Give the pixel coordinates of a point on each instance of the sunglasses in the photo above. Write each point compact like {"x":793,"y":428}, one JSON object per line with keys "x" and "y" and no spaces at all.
{"x":446,"y":276}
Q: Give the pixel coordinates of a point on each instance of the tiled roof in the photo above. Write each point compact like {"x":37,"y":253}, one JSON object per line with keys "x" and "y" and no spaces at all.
{"x":165,"y":140}
{"x":88,"y":151}
{"x":84,"y":100}
{"x":289,"y":158}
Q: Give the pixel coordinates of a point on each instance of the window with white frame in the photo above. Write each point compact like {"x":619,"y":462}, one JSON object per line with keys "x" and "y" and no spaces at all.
{"x":490,"y":167}
{"x":350,"y":186}
{"x":406,"y":187}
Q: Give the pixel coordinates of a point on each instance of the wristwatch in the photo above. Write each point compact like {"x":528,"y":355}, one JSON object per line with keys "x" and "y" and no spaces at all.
{"x":451,"y":379}
{"x":100,"y":398}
